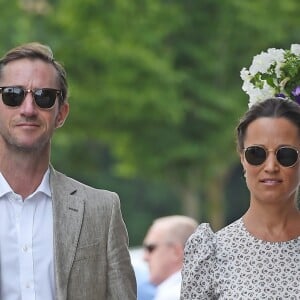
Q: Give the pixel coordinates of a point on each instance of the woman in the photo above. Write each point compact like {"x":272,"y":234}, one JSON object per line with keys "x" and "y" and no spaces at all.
{"x":257,"y":256}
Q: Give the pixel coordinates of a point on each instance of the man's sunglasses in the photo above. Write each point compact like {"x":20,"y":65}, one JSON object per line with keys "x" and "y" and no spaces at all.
{"x":13,"y":96}
{"x":286,"y":156}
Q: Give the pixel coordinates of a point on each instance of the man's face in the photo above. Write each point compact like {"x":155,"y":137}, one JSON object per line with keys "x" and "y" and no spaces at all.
{"x":28,"y":127}
{"x":160,"y":255}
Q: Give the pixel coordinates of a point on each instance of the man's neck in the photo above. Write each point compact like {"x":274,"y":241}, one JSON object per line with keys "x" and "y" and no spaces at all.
{"x":23,"y":173}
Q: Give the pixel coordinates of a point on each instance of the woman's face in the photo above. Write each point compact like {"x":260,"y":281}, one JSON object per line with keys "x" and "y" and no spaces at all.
{"x":271,"y":182}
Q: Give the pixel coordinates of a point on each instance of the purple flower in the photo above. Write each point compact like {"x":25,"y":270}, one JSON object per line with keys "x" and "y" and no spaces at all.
{"x":280,"y":95}
{"x":296,"y":94}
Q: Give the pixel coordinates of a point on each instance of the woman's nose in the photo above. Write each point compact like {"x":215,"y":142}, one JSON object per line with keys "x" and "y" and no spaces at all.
{"x":271,"y":163}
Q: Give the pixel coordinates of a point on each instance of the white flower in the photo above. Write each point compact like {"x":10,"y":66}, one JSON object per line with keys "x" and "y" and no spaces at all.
{"x":278,"y":59}
{"x":271,"y":73}
{"x":245,"y":74}
{"x":258,"y":95}
{"x":261,"y":63}
{"x":295,"y":48}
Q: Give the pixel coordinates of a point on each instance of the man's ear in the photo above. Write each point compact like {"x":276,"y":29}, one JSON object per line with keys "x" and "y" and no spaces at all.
{"x":178,"y":251}
{"x":62,"y":115}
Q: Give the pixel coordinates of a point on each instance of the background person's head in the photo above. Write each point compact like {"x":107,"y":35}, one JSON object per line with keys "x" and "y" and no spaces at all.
{"x":164,"y":245}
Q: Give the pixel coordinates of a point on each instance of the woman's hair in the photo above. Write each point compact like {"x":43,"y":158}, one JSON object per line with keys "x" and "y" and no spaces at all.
{"x":273,"y":108}
{"x":38,"y":51}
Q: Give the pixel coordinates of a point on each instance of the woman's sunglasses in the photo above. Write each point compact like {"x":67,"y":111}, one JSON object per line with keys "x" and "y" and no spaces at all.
{"x":286,"y":156}
{"x":13,"y":96}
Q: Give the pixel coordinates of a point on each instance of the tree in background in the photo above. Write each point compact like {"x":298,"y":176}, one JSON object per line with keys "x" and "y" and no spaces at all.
{"x":159,"y":92}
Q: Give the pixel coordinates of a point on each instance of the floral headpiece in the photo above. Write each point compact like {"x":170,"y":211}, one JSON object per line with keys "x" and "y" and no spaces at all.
{"x":273,"y":73}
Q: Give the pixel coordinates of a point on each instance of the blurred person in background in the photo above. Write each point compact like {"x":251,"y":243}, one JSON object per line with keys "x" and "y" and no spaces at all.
{"x":59,"y":239}
{"x":145,"y":289}
{"x":257,"y":256}
{"x":163,"y":251}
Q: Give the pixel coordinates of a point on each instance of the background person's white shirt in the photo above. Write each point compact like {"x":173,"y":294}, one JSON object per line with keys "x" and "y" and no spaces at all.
{"x":170,"y":288}
{"x":26,"y":244}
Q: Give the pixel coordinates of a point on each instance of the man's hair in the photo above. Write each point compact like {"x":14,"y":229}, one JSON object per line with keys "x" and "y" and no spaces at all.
{"x":33,"y":51}
{"x":177,"y":228}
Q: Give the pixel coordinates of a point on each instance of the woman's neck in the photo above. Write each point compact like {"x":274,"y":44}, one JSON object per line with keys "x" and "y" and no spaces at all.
{"x":273,"y":224}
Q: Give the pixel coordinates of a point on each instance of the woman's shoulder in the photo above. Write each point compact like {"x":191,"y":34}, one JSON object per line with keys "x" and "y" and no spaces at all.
{"x":204,"y":232}
{"x":232,"y":229}
{"x":202,"y":251}
{"x":201,"y":243}
{"x":204,"y":240}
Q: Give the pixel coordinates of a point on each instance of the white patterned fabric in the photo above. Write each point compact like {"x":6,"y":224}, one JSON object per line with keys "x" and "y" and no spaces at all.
{"x":233,"y":264}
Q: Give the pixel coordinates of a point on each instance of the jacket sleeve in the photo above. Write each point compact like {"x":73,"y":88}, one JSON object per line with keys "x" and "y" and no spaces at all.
{"x":121,"y":280}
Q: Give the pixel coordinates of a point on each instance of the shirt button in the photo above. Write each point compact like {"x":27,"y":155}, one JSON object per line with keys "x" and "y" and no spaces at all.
{"x":25,"y":248}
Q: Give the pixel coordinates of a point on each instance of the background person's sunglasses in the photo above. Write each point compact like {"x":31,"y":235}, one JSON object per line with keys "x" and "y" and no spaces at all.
{"x":286,"y":156}
{"x":13,"y":96}
{"x":150,"y":247}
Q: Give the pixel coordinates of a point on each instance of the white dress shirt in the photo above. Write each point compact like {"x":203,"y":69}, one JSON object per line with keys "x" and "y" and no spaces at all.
{"x":170,"y":288}
{"x":26,"y":244}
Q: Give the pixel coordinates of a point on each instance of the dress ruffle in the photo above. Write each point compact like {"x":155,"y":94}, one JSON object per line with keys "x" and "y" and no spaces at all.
{"x":199,"y":260}
{"x":203,"y":241}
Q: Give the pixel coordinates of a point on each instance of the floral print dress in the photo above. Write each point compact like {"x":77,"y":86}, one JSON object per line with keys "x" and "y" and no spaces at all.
{"x":233,"y":264}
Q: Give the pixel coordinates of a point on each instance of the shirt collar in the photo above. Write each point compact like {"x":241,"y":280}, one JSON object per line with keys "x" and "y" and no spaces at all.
{"x":171,"y":280}
{"x":44,"y":186}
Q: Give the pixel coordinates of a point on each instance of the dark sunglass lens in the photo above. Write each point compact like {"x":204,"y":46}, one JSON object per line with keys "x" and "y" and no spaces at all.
{"x":45,"y":98}
{"x":12,"y":96}
{"x":150,"y":248}
{"x":286,"y":156}
{"x":255,"y":155}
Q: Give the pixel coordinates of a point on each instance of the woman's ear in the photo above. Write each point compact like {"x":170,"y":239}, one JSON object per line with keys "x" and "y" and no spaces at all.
{"x":242,"y":159}
{"x":243,"y":162}
{"x":62,"y":115}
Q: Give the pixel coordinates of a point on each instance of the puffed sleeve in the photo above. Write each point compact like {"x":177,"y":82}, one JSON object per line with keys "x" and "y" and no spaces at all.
{"x":198,"y":267}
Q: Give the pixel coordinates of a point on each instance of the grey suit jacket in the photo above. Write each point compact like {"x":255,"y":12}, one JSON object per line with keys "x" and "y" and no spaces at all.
{"x":90,"y":243}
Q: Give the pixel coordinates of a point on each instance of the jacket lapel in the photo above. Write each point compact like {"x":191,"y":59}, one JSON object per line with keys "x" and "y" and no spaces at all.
{"x":68,"y":211}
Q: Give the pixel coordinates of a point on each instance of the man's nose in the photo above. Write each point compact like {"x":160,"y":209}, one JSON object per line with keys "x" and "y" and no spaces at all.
{"x":28,"y":106}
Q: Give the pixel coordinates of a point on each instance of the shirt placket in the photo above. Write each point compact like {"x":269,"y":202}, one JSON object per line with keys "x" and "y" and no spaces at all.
{"x":24,"y":211}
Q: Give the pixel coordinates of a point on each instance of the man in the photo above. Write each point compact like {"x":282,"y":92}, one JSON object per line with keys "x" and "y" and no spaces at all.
{"x":145,"y":289}
{"x":164,"y":250}
{"x":59,"y":239}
